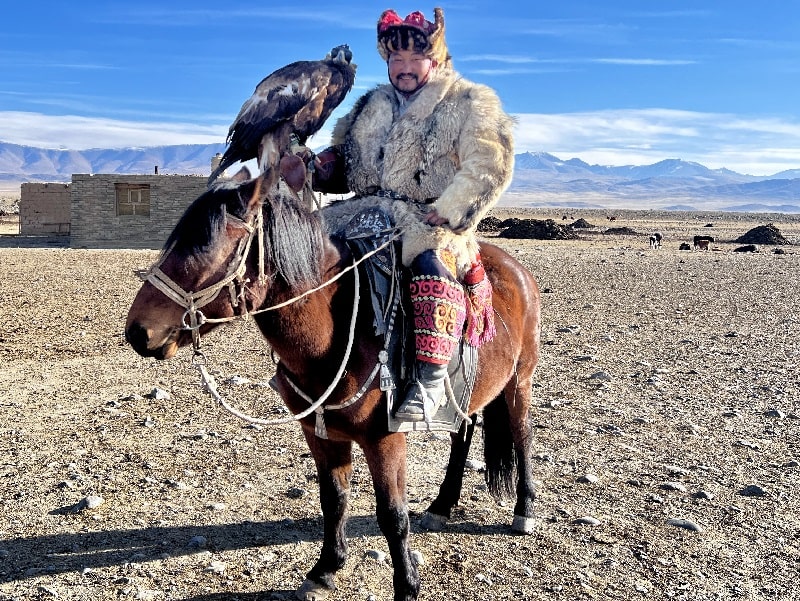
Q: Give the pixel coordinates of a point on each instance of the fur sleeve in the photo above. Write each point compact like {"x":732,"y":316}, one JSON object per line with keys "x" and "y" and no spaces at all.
{"x":486,"y":160}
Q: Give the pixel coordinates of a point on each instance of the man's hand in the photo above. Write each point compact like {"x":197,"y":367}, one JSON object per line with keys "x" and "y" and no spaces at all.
{"x":293,"y":171}
{"x":432,"y":217}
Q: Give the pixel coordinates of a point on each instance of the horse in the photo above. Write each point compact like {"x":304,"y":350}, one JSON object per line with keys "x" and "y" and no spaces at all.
{"x":278,"y":264}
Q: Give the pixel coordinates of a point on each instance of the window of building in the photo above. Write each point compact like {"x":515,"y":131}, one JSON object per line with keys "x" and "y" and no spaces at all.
{"x":133,"y":199}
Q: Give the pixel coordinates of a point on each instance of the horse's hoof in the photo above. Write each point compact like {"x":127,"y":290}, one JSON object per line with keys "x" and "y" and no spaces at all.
{"x":523,"y":525}
{"x":312,"y":591}
{"x":433,"y":522}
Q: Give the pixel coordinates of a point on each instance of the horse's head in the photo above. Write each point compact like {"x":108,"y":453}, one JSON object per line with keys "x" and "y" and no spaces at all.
{"x":239,"y":245}
{"x":202,"y":270}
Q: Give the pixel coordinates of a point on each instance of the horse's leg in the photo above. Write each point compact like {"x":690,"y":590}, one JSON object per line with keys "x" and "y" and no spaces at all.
{"x":438,"y":513}
{"x":386,"y":458}
{"x":518,"y":400}
{"x":334,"y":469}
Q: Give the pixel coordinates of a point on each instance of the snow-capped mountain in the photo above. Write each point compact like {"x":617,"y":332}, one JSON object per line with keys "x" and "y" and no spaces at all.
{"x":539,"y":178}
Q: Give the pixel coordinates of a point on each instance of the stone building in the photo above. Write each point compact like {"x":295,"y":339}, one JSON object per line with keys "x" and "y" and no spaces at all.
{"x":128,"y":211}
{"x":44,"y":209}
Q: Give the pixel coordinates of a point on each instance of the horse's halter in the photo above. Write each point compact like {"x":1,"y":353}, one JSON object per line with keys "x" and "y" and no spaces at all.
{"x":194,"y":301}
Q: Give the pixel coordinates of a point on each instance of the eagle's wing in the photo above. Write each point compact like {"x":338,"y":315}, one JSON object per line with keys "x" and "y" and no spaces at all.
{"x":297,"y":98}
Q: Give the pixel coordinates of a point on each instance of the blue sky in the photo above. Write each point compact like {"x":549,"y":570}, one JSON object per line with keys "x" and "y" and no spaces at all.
{"x":614,"y":82}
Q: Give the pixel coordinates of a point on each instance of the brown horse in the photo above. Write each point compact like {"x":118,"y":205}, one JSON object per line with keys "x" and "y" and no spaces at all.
{"x":214,"y":249}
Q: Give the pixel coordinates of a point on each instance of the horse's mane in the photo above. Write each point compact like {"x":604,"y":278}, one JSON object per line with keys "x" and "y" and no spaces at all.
{"x":293,"y":236}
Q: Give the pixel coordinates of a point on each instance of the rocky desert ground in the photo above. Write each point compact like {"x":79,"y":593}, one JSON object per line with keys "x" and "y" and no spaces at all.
{"x":667,"y":418}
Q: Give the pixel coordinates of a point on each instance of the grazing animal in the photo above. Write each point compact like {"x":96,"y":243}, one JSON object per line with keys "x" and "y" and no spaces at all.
{"x":612,"y":217}
{"x":295,"y":100}
{"x":214,"y":249}
{"x":655,"y":240}
{"x":702,"y":242}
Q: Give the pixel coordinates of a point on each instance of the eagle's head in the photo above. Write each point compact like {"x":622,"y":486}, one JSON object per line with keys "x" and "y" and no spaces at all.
{"x":341,"y":54}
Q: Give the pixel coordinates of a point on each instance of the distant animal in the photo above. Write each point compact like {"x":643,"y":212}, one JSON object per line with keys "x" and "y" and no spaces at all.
{"x":747,"y":248}
{"x":295,"y":100}
{"x":655,"y":240}
{"x":702,"y":242}
{"x":612,"y":217}
{"x":684,"y":246}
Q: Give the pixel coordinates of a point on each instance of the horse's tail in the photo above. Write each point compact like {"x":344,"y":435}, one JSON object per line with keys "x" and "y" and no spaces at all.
{"x":498,"y":449}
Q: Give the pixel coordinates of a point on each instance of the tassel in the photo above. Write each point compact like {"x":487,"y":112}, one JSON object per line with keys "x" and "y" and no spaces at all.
{"x":480,"y":313}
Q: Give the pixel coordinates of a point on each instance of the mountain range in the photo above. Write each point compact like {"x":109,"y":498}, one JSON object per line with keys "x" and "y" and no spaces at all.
{"x":540,"y":179}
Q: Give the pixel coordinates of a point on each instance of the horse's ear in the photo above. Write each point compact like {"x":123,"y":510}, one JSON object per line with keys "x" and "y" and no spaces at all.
{"x":243,"y":176}
{"x":260,"y":188}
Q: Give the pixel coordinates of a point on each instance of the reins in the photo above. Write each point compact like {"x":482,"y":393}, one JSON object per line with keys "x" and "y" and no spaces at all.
{"x":192,"y":302}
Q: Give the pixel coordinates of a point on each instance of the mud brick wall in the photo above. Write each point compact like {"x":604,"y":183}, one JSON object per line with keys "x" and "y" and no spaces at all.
{"x":97,"y":224}
{"x":44,"y":209}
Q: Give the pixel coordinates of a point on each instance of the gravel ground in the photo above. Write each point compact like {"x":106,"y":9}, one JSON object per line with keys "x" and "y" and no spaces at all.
{"x":667,"y":412}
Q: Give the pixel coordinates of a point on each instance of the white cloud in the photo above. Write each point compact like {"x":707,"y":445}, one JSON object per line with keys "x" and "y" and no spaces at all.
{"x":756,"y":146}
{"x":80,"y":133}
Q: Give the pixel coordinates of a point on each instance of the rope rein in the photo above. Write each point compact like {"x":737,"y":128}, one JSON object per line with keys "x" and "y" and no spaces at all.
{"x":194,"y":301}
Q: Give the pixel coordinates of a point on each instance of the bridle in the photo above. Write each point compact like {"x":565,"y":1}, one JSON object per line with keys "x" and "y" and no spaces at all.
{"x":193,"y":302}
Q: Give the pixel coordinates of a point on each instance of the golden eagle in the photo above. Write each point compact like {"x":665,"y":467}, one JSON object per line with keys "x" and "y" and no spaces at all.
{"x":294,"y":100}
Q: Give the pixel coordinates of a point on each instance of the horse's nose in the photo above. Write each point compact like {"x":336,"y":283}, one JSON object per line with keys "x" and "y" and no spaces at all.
{"x":137,"y":336}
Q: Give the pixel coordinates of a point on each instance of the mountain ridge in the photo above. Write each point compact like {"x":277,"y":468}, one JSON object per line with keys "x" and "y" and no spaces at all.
{"x":539,"y":178}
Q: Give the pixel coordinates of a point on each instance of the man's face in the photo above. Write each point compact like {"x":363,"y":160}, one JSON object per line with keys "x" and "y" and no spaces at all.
{"x":409,"y":70}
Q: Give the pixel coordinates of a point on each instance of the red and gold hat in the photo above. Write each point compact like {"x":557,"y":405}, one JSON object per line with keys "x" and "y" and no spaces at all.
{"x":413,"y":33}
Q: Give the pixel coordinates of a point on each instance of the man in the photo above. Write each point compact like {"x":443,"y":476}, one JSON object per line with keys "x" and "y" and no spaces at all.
{"x":436,"y":151}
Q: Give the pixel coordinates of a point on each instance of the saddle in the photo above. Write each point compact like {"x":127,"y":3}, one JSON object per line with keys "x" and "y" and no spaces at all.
{"x":367,"y":232}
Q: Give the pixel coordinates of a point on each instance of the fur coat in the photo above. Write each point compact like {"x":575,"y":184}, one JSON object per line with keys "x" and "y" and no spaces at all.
{"x":451,"y":149}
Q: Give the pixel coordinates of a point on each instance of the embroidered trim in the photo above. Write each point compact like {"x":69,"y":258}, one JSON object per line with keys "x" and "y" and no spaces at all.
{"x":439,"y":316}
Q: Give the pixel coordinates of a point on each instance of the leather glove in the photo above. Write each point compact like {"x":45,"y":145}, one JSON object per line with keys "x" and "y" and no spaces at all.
{"x":293,"y":171}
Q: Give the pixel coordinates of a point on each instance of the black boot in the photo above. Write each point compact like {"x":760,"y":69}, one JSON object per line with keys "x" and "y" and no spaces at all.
{"x":425,"y":394}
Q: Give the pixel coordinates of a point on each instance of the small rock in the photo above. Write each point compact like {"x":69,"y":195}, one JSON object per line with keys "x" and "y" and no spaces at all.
{"x":217,"y":567}
{"x":197,"y":542}
{"x":483,"y":578}
{"x":475,"y":465}
{"x":296,"y":492}
{"x":149,"y":422}
{"x":684,"y":523}
{"x":746,"y":444}
{"x":703,"y":494}
{"x":217,"y":506}
{"x":673,"y":486}
{"x":159,"y":394}
{"x":600,"y":375}
{"x":376,"y":555}
{"x":90,"y":502}
{"x":753,"y":490}
{"x":776,"y":413}
{"x":589,"y":479}
{"x":237,"y":381}
{"x":587,"y":520}
{"x":418,"y":558}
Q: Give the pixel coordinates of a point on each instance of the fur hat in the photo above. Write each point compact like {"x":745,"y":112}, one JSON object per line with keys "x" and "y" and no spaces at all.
{"x":414,"y":33}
